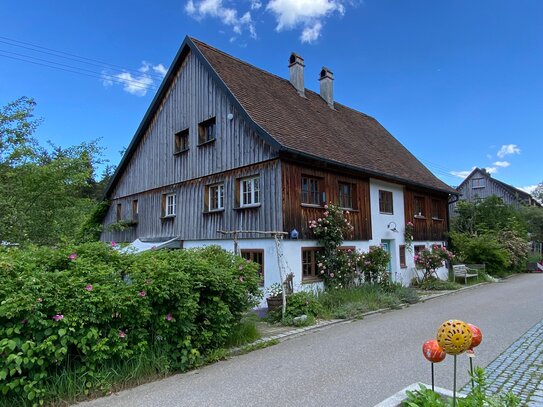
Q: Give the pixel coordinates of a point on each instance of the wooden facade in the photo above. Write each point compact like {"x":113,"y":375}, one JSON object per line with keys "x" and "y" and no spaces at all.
{"x":193,"y":98}
{"x":192,"y":220}
{"x":480,"y":185}
{"x":296,"y":214}
{"x":428,"y":213}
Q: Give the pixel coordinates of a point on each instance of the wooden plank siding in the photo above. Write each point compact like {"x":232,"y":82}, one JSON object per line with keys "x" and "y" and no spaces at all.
{"x":297,"y":216}
{"x":426,"y":226}
{"x":193,"y":98}
{"x":192,"y":221}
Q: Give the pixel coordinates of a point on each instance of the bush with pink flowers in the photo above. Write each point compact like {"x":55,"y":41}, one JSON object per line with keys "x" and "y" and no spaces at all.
{"x":87,"y":306}
{"x":431,"y":259}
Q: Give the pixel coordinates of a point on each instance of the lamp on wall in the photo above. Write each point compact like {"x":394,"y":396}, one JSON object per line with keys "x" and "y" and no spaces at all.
{"x":294,"y":234}
{"x":392,"y":227}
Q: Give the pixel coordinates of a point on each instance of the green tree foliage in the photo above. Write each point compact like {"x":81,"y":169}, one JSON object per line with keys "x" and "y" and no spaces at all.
{"x":492,"y":232}
{"x":45,"y":194}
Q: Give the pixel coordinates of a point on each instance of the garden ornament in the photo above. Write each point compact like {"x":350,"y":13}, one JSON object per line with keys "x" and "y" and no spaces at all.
{"x":454,"y":336}
{"x":476,"y":339}
{"x":434,"y":354}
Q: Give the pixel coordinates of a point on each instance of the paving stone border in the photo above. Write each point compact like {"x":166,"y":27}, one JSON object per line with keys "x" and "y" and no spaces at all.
{"x":519,"y":369}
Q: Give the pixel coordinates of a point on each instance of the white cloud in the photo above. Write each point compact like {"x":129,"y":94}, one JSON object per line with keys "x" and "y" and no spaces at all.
{"x":462,"y":174}
{"x":133,"y":83}
{"x":508,"y":149}
{"x":491,"y":170}
{"x":502,"y":164}
{"x":308,"y":14}
{"x":310,"y":34}
{"x":529,"y":189}
{"x":202,"y":9}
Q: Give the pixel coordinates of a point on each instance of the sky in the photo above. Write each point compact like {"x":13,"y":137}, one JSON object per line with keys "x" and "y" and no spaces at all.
{"x":458,"y":83}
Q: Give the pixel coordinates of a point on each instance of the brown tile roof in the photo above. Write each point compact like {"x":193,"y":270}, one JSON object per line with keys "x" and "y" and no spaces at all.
{"x":309,"y":126}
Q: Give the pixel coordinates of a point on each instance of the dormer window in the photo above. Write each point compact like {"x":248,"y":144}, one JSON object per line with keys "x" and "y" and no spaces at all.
{"x":207,"y":131}
{"x":181,"y":141}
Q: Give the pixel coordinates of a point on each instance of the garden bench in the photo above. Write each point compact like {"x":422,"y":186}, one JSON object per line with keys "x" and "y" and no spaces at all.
{"x":461,"y":270}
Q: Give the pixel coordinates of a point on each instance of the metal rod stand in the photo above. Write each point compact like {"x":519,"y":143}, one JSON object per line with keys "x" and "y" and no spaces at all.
{"x":471,"y":371}
{"x":432,"y":376}
{"x":454,"y":383}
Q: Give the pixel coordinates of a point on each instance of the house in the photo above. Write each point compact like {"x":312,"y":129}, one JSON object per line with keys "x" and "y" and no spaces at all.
{"x":228,"y":152}
{"x":479,"y":184}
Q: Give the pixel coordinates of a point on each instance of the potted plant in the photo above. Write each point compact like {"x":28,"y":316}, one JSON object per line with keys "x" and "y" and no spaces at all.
{"x":275,"y":296}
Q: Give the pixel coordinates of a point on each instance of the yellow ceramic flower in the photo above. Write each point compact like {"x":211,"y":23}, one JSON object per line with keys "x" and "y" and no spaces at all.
{"x":454,"y":336}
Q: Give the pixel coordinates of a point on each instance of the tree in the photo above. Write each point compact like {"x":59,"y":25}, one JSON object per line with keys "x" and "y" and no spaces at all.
{"x":45,"y":194}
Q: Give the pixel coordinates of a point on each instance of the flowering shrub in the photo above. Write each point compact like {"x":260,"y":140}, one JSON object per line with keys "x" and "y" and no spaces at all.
{"x":373,"y":265}
{"x":337,"y":267}
{"x":431,"y":260}
{"x":87,"y":305}
{"x":408,"y":235}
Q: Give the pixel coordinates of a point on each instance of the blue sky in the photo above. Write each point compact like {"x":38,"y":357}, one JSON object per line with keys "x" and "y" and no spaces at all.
{"x":459,"y":83}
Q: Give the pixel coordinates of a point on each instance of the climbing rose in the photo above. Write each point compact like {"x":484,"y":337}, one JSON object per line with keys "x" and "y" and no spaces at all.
{"x":122,"y":334}
{"x":88,"y":287}
{"x":72,"y":256}
{"x":58,"y":317}
{"x":169,"y":317}
{"x":142,"y":293}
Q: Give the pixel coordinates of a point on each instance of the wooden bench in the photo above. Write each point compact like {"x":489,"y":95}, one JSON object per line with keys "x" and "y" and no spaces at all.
{"x":461,"y":270}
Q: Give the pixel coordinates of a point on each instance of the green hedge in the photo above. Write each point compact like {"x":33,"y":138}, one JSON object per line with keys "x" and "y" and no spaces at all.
{"x":87,"y":306}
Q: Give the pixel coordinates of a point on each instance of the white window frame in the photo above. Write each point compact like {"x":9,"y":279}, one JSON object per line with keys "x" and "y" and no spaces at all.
{"x":247,"y":189}
{"x":218,"y":191}
{"x":170,"y":206}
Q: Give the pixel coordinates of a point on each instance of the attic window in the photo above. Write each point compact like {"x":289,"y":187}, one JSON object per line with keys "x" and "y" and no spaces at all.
{"x":181,"y":141}
{"x":206,"y":131}
{"x":478,"y":183}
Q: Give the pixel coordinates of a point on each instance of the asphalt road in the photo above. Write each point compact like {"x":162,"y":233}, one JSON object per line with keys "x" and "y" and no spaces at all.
{"x":353,"y":364}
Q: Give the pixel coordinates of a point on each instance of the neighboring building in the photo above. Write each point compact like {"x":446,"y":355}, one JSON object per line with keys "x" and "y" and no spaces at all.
{"x":226,"y":146}
{"x":480,"y":185}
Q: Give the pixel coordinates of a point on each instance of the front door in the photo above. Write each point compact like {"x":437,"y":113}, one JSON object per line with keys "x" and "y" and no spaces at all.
{"x":387,"y":245}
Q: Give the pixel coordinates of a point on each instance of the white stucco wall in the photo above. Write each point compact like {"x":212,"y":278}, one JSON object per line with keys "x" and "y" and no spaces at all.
{"x":381,"y":230}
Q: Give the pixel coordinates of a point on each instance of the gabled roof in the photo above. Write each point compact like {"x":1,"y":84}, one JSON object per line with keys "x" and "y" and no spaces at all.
{"x":523,"y":195}
{"x":302,"y":126}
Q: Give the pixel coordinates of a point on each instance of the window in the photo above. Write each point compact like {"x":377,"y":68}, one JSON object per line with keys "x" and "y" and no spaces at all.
{"x":346,"y":195}
{"x":478,"y":183}
{"x":249,"y":191}
{"x":310,"y":191}
{"x":206,"y":131}
{"x":118,"y":212}
{"x":257,"y":256}
{"x":403,"y":263}
{"x":181,"y":141}
{"x":419,"y":248}
{"x":437,"y":210}
{"x":385,"y":202}
{"x":169,"y":205}
{"x":420,"y":206}
{"x":310,"y":269}
{"x":215,"y":197}
{"x":135,"y":209}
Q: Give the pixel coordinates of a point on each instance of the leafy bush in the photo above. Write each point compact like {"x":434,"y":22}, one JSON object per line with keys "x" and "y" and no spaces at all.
{"x":86,"y":306}
{"x":516,"y":247}
{"x":431,"y":260}
{"x":483,"y":249}
{"x":373,"y":265}
{"x":436,"y":284}
{"x":303,"y":303}
{"x":479,"y":396}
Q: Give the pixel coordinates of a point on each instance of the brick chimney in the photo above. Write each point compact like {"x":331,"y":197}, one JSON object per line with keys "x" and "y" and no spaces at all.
{"x":296,"y":66}
{"x":327,"y":86}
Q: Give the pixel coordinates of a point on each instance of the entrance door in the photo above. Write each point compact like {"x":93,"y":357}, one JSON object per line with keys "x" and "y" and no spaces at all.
{"x":387,"y":245}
